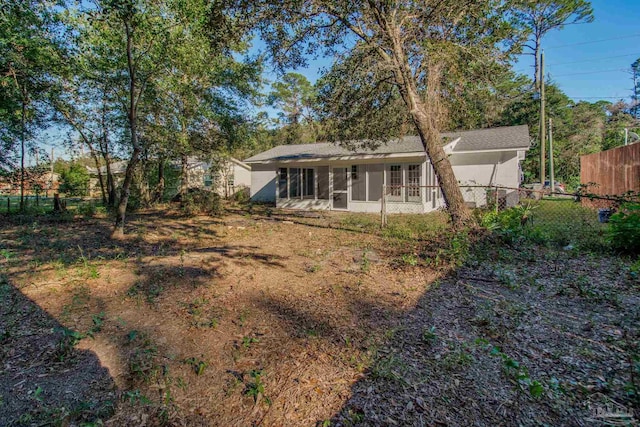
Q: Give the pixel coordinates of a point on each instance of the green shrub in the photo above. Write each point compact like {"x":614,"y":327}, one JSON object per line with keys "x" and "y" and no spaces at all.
{"x":201,"y":202}
{"x":624,"y":228}
{"x":87,"y":209}
{"x":74,"y":180}
{"x":508,"y":223}
{"x":242,"y":195}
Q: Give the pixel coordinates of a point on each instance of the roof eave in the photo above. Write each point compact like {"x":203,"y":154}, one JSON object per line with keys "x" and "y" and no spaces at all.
{"x":492,"y":150}
{"x":339,"y":158}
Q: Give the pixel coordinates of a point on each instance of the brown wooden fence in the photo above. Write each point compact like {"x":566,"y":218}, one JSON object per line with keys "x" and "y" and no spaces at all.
{"x":615,"y":171}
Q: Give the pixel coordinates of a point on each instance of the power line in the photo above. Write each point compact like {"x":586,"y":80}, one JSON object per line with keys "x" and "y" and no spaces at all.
{"x":592,"y":41}
{"x":590,"y":72}
{"x":597,"y":97}
{"x":594,"y":59}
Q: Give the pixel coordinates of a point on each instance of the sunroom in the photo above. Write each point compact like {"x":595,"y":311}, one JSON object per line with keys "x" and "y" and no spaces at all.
{"x":355,"y":187}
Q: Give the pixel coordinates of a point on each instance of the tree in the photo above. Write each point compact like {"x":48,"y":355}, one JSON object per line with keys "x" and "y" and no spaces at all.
{"x":295,"y":97}
{"x":635,"y":104}
{"x":74,"y":179}
{"x":393,"y":52}
{"x":541,"y":16}
{"x":29,"y":54}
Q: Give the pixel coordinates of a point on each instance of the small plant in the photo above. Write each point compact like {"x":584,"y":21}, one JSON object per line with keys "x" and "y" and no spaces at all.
{"x":313,"y":268}
{"x":410,"y":259}
{"x":389,"y":368}
{"x":515,"y":370}
{"x":429,"y":335}
{"x":197,"y":365}
{"x":247,"y":341}
{"x":255,"y":387}
{"x":98,"y":320}
{"x":624,"y":228}
{"x":200,"y":202}
{"x":135,"y":397}
{"x":143,"y":356}
{"x":68,"y":341}
{"x":365,"y":264}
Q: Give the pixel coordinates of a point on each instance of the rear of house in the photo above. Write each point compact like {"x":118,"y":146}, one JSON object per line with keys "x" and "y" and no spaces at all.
{"x":331,"y":177}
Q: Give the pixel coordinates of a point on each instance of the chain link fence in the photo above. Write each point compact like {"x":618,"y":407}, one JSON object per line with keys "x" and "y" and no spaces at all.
{"x":563,"y":218}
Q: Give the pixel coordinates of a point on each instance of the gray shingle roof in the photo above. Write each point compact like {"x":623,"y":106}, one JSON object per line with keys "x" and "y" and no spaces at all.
{"x":503,"y":138}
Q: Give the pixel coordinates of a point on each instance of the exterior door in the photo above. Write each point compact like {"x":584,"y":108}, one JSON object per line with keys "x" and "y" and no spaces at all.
{"x":340,"y":194}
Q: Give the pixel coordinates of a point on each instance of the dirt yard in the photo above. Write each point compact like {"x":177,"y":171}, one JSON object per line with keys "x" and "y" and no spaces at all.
{"x":279,"y":320}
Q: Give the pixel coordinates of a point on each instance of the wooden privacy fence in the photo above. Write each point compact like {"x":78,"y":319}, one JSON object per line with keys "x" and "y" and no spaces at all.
{"x":615,"y":171}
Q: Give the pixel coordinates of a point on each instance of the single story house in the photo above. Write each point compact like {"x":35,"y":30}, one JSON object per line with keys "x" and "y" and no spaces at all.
{"x":330,"y":176}
{"x":225,"y":176}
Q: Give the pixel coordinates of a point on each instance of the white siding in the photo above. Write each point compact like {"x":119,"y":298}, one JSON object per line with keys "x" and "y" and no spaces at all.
{"x":499,"y":168}
{"x":241,"y":176}
{"x":263,"y":183}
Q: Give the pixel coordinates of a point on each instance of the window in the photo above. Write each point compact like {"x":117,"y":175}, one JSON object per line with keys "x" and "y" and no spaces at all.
{"x":308,"y":182}
{"x":207,"y":180}
{"x":294,"y":183}
{"x":395,"y":181}
{"x":413,"y":183}
{"x":358,"y":183}
{"x":323,"y":182}
{"x":376,"y":173}
{"x":283,"y":193}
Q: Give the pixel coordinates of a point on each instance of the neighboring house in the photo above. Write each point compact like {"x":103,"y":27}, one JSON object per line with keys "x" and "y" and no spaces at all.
{"x":229,"y":176}
{"x":118,"y":170}
{"x":41,"y":183}
{"x":329,"y":176}
{"x":224,"y":177}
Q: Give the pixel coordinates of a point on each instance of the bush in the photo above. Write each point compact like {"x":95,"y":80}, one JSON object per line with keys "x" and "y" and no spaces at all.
{"x":74,"y":180}
{"x":624,"y":228}
{"x":87,"y":209}
{"x":242,"y":195}
{"x":200,"y":202}
{"x":508,"y":223}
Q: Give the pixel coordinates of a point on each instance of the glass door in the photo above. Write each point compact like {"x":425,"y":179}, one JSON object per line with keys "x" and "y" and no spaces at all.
{"x":340,"y":199}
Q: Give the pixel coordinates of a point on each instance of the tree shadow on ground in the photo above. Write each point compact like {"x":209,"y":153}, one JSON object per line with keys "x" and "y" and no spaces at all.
{"x":44,"y":380}
{"x":488,"y":345}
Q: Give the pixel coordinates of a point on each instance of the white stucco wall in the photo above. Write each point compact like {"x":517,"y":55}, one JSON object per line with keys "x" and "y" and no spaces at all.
{"x":263,"y":183}
{"x":487,"y":169}
{"x":241,"y":176}
{"x":498,"y":168}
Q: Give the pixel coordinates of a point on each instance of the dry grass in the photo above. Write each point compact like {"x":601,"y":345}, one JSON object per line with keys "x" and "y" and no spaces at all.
{"x":233,"y":321}
{"x":273,"y":318}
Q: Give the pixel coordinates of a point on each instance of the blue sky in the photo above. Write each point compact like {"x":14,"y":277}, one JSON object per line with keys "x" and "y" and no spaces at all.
{"x":589,"y":61}
{"x":583,"y":59}
{"x":589,"y":69}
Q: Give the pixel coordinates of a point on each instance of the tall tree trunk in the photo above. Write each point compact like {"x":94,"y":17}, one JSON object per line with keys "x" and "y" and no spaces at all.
{"x":103,"y":192}
{"x":184,"y":178}
{"x":430,"y":137}
{"x":121,"y":209}
{"x":23,"y":132}
{"x":111,"y":184}
{"x":536,"y":62}
{"x":159,"y":191}
{"x":426,"y":117}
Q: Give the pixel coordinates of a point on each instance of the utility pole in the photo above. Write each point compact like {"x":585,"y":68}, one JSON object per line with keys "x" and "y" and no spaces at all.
{"x":542,"y":122}
{"x":552,"y":178}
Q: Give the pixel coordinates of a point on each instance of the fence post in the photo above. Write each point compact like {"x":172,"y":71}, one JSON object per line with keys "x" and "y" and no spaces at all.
{"x":496,"y":190}
{"x":383,"y":207}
